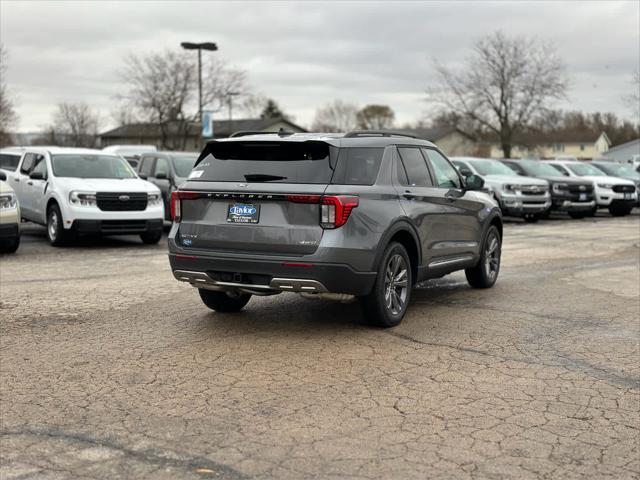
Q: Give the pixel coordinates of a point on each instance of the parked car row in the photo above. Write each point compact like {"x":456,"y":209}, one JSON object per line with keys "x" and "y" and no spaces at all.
{"x":531,"y":189}
{"x":74,"y":192}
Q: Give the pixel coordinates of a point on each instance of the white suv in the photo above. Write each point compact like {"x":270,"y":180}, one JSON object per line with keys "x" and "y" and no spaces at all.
{"x":78,"y":191}
{"x":617,"y":194}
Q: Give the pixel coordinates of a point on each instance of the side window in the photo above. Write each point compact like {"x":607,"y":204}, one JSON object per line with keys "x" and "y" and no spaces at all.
{"x":146,"y":165}
{"x":9,"y":161}
{"x":40,"y":166}
{"x":162,"y":166}
{"x":415,"y":167}
{"x":28,"y":163}
{"x":358,"y":166}
{"x":560,"y":169}
{"x":463,"y":168}
{"x":515,"y":167}
{"x":446,"y":174}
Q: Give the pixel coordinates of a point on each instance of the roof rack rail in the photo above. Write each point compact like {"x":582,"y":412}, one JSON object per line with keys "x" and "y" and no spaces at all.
{"x":377,"y":133}
{"x":246,"y":133}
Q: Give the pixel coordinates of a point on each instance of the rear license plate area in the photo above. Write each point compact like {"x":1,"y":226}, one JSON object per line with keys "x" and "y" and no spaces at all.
{"x":243,"y":213}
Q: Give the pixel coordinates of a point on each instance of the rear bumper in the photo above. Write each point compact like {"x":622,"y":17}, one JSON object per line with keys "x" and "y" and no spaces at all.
{"x":9,"y":231}
{"x":269,"y":276}
{"x":116,"y":227}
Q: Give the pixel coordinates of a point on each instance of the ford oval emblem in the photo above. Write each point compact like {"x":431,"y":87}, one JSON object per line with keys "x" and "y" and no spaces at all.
{"x":582,"y":188}
{"x":123,"y":198}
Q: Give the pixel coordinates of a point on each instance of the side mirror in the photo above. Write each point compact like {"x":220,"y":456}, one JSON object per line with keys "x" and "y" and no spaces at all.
{"x":36,"y":176}
{"x":161,"y":176}
{"x":465,"y":172}
{"x":3,"y":176}
{"x":142,"y":175}
{"x":474,"y":182}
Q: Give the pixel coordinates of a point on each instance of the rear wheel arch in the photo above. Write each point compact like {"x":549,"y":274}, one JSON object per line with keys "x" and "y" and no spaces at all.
{"x":403,"y":233}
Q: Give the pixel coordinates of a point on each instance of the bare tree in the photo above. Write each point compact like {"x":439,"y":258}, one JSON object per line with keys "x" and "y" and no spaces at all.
{"x":337,"y":116}
{"x":75,"y":124}
{"x":375,"y":117}
{"x":253,"y":105}
{"x":633,"y":99}
{"x":505,"y":84}
{"x":8,"y":116}
{"x":163,"y":90}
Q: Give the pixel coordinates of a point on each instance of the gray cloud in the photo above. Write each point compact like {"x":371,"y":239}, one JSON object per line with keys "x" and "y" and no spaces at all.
{"x":304,"y":54}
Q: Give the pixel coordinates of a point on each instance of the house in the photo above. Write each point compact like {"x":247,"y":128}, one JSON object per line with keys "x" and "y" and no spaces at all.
{"x":452,"y":141}
{"x":625,"y":152}
{"x":581,"y":144}
{"x":178,"y":136}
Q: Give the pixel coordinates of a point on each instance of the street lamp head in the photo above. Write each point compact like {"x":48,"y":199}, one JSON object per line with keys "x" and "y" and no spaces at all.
{"x":199,"y":46}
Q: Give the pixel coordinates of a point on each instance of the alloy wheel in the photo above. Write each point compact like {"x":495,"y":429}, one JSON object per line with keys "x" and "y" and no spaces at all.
{"x":492,"y":257}
{"x":52,"y":227}
{"x":396,"y":284}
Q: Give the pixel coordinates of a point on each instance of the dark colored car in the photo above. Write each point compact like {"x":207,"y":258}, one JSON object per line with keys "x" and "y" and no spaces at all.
{"x":166,"y":170}
{"x":569,"y":195}
{"x":365,"y":214}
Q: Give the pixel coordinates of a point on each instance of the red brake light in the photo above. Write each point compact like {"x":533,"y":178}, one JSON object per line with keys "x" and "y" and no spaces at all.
{"x":176,"y":205}
{"x":336,"y":209}
{"x":304,"y":198}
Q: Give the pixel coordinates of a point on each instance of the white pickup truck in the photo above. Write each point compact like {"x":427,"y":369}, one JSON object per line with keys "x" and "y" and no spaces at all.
{"x":82,"y":191}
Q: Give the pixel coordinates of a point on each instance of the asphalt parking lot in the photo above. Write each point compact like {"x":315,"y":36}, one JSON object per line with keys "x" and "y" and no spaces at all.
{"x":111,"y":369}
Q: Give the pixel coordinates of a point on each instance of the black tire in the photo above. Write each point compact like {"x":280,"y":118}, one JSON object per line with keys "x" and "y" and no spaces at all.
{"x":10,"y":246}
{"x":592,"y":212}
{"x":618,"y":211}
{"x":56,"y":233}
{"x":485,"y":273}
{"x":577,"y":215}
{"x":152,"y":237}
{"x":531,"y":217}
{"x":224,"y":301}
{"x":387,"y":303}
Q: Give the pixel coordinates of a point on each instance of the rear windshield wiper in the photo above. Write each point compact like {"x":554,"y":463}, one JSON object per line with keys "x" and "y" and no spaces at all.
{"x":259,"y":177}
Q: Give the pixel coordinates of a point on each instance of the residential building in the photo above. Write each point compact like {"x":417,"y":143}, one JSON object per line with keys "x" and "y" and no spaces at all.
{"x":626,"y":152}
{"x":188,"y":137}
{"x":583,"y":145}
{"x":452,"y":141}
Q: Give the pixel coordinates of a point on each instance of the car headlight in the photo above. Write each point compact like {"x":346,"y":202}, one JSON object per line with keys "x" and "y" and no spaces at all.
{"x":83,"y":199}
{"x":559,"y":187}
{"x":606,"y":185}
{"x":511,"y":187}
{"x":154,"y":198}
{"x":7,"y":200}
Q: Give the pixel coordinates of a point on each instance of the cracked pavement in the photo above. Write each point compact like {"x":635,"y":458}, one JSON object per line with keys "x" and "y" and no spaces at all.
{"x":109,"y":368}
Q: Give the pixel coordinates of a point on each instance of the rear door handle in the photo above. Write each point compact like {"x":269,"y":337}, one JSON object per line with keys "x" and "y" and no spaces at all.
{"x":16,"y":179}
{"x":408,"y":195}
{"x":29,"y":182}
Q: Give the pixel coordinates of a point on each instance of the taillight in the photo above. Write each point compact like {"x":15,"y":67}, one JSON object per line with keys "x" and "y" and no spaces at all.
{"x":335,"y":210}
{"x":176,"y":202}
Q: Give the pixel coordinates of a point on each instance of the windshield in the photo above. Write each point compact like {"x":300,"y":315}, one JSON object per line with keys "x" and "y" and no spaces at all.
{"x":491,"y":167}
{"x":183,"y":164}
{"x":584,"y":169}
{"x":539,"y":169}
{"x":91,"y":166}
{"x":619,"y":170}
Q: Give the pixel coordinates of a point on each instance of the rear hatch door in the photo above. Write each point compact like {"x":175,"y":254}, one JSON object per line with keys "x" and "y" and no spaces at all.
{"x":256,"y":197}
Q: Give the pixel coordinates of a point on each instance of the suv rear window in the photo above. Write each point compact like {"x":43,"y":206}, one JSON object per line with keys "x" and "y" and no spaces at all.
{"x":9,"y":161}
{"x":358,"y":166}
{"x":274,"y":162}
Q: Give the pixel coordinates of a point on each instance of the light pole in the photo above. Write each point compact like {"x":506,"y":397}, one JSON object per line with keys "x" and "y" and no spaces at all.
{"x":199,"y":46}
{"x":231,"y":95}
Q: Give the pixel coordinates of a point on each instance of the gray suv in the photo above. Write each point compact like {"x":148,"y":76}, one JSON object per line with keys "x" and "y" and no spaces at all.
{"x":366,"y":214}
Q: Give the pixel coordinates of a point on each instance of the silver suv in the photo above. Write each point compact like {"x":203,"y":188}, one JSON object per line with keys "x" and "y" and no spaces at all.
{"x":365,"y":214}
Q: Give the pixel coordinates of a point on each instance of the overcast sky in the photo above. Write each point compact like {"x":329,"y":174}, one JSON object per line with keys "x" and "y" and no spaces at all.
{"x":305,"y":54}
